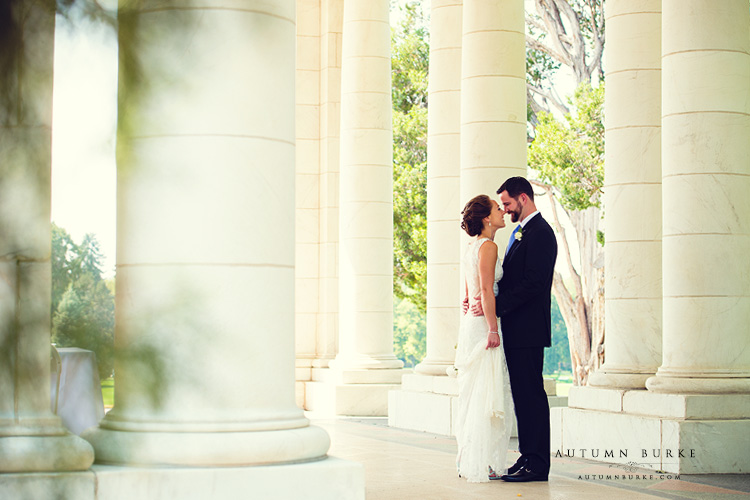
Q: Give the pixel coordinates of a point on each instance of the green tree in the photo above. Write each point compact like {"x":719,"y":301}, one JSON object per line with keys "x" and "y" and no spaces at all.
{"x":83,"y":307}
{"x":557,"y":356}
{"x":570,"y":155}
{"x":409,"y":60}
{"x":85,"y":318}
{"x":409,"y":332}
{"x":63,"y":252}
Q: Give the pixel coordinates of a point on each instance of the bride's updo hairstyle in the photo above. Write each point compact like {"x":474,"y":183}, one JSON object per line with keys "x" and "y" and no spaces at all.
{"x":474,"y":212}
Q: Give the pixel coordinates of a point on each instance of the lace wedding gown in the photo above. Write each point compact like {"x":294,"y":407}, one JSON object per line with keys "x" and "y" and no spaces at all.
{"x":485,"y":405}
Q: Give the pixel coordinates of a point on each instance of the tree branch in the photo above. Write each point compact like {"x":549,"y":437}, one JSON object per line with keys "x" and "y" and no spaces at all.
{"x":535,"y":23}
{"x":550,"y":14}
{"x":578,"y":43}
{"x":557,"y":56}
{"x":564,"y":239}
{"x":550,"y":97}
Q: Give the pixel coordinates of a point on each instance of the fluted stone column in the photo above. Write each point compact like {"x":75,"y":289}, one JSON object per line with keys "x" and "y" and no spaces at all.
{"x":443,"y":174}
{"x":32,"y":438}
{"x":706,"y":207}
{"x":204,"y":371}
{"x":493,"y":98}
{"x":632,"y":194}
{"x":366,"y":191}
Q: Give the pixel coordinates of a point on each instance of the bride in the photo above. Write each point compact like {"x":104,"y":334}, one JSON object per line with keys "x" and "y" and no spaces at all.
{"x":485,"y":411}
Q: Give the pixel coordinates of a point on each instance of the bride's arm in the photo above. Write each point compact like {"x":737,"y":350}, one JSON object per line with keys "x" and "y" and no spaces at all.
{"x":487,"y":260}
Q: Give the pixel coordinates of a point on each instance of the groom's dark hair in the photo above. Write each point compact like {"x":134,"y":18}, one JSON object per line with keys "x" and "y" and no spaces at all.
{"x":515,"y":186}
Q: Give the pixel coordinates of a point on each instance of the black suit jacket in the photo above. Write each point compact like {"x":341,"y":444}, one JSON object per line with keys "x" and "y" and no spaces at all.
{"x":524,"y":299}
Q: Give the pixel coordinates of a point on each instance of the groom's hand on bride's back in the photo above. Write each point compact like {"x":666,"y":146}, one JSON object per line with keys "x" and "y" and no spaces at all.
{"x":476,"y":309}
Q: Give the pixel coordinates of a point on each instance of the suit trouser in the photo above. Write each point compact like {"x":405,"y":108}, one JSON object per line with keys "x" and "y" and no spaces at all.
{"x":532,"y":409}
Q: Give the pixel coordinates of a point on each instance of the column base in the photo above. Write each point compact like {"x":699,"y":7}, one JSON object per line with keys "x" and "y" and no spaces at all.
{"x":675,"y":433}
{"x":425,"y":403}
{"x":664,"y":383}
{"x":619,"y":380}
{"x":351,"y":392}
{"x":361,"y":362}
{"x":206,"y":449}
{"x":437,"y":368}
{"x":429,"y":404}
{"x":61,"y":453}
{"x":330,"y":478}
{"x":48,"y":485}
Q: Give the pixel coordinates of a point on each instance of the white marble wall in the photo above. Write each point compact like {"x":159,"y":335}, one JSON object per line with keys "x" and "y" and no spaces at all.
{"x":676,"y":433}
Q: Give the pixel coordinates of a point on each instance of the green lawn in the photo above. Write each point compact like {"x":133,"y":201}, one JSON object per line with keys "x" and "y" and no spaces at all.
{"x":563,"y":388}
{"x":108,"y":392}
{"x":108,"y":389}
{"x":564,"y":381}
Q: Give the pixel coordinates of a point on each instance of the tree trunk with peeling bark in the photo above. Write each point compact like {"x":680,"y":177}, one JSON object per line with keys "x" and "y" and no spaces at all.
{"x":581,"y":298}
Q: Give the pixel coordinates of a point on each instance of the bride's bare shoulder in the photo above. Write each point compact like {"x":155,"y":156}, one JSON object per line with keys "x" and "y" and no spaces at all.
{"x":488,"y":249}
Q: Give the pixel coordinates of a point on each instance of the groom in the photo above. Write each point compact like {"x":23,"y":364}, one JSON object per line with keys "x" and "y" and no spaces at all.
{"x":523,"y":305}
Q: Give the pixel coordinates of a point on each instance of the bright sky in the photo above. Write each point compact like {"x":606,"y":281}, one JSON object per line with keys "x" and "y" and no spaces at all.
{"x":83,"y":134}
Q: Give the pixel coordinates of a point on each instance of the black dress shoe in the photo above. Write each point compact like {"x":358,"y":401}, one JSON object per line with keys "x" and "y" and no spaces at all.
{"x":517,"y":466}
{"x":524,"y":475}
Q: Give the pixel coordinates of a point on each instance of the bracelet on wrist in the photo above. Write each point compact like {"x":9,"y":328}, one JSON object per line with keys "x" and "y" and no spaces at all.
{"x":491,"y":331}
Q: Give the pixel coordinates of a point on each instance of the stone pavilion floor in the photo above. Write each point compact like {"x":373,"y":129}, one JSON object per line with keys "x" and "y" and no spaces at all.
{"x":406,"y":465}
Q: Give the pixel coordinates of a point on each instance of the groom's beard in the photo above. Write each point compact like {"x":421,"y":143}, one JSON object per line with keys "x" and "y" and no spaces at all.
{"x":514,"y":216}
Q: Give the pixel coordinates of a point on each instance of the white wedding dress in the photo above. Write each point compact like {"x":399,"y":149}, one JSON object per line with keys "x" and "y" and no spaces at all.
{"x":485,"y":405}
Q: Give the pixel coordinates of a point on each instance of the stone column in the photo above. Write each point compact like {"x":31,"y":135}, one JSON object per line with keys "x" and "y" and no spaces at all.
{"x":32,"y":438}
{"x":366,"y":191}
{"x":443,"y":174}
{"x":307,"y":237}
{"x":332,"y":12}
{"x":204,"y":372}
{"x":493,"y":99}
{"x":706,"y":209}
{"x":632,"y":194}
